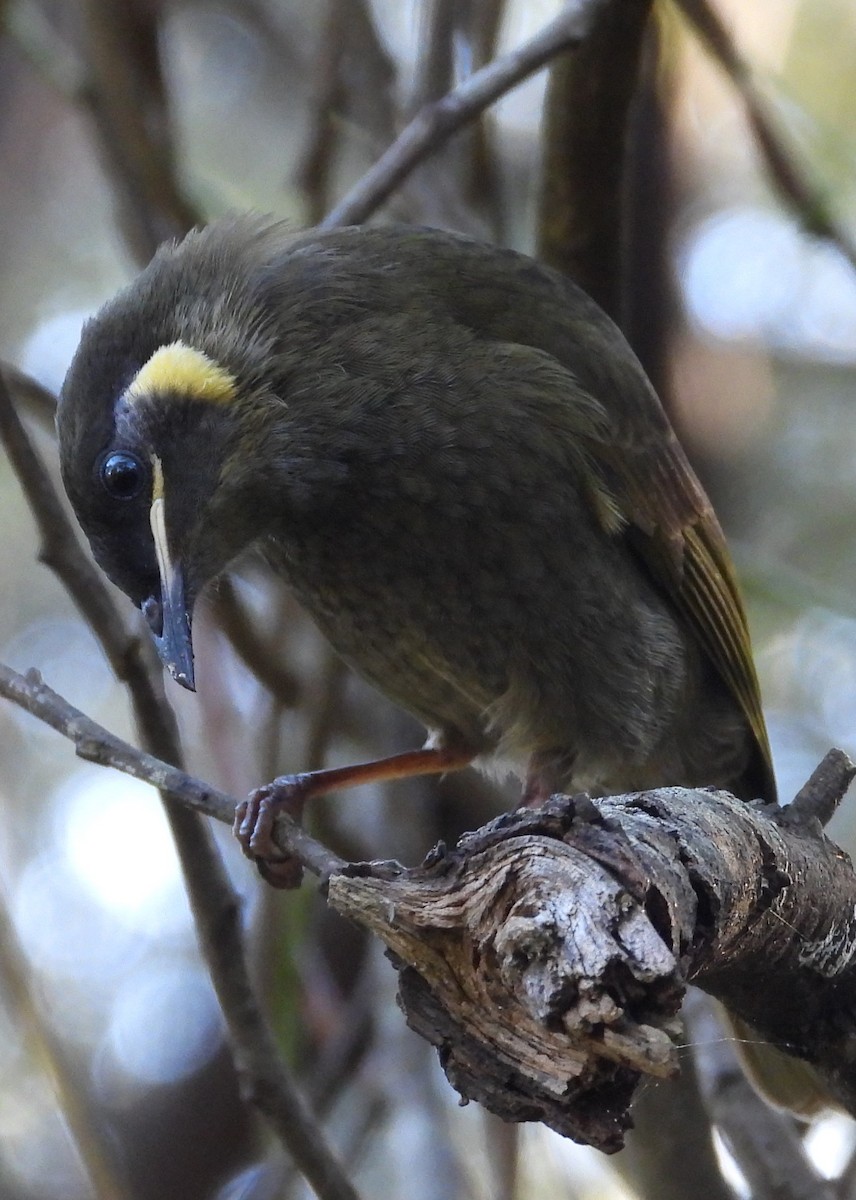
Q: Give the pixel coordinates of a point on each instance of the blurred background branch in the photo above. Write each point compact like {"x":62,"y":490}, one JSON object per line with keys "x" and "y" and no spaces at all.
{"x":265,"y":1076}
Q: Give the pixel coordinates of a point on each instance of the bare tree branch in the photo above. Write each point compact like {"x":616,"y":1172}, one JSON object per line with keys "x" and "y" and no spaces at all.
{"x":547,"y":954}
{"x":266,"y":1077}
{"x":96,"y":1148}
{"x":38,"y":401}
{"x":95,"y":744}
{"x":766,"y":1144}
{"x":254,"y":650}
{"x":436,"y":122}
{"x":127,"y":100}
{"x":584,"y":134}
{"x":804,"y":195}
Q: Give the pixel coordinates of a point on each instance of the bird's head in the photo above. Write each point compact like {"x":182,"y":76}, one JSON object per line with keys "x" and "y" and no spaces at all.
{"x":160,"y":443}
{"x":236,"y":390}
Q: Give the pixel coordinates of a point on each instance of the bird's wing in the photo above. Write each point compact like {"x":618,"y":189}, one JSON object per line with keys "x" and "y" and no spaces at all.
{"x":641,"y":485}
{"x":671,"y":526}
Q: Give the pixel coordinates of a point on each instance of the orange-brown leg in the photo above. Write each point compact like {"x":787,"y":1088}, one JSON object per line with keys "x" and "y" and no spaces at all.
{"x":546,"y":774}
{"x":255,"y":816}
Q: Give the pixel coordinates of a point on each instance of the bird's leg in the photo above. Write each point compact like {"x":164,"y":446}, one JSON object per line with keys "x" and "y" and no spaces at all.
{"x":547,"y":773}
{"x":255,"y":816}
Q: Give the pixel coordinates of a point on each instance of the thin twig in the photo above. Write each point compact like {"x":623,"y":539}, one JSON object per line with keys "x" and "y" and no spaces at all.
{"x":805,"y":195}
{"x":215,"y":907}
{"x":29,"y":394}
{"x":29,"y":28}
{"x":254,"y":650}
{"x":95,"y":744}
{"x":436,"y":122}
{"x":316,"y":165}
{"x":722,"y":840}
{"x":818,"y":798}
{"x":128,"y":103}
{"x":765,"y":1143}
{"x":97,"y":1151}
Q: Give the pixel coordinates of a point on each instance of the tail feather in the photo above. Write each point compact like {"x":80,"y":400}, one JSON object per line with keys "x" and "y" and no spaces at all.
{"x":785,"y":1082}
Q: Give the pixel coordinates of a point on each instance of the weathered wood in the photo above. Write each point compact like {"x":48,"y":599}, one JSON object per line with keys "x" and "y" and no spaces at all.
{"x":546,"y":956}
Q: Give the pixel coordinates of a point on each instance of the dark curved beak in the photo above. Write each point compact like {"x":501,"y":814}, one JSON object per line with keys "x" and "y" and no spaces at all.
{"x":169,"y":620}
{"x":169,"y":617}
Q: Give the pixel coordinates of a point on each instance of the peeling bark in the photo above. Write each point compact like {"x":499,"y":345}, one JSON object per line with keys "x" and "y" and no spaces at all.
{"x":546,"y":956}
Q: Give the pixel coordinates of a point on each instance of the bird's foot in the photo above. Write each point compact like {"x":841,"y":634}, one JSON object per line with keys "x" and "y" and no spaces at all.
{"x":255,"y":816}
{"x":254,"y":822}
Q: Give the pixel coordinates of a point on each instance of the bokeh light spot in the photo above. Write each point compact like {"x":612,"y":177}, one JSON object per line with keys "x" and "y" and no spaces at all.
{"x":118,"y":845}
{"x":165,"y":1024}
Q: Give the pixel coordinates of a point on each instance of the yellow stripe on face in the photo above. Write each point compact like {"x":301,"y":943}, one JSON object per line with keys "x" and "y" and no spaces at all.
{"x":157,"y":478}
{"x":190,"y":373}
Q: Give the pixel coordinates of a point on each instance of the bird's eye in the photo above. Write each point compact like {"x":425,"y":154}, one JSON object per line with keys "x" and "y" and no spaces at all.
{"x":122,"y":475}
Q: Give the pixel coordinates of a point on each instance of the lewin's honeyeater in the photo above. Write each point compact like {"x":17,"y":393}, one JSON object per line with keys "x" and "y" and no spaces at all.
{"x":456,"y":461}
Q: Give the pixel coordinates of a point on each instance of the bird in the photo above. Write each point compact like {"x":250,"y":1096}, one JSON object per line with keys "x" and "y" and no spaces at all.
{"x":455,"y":460}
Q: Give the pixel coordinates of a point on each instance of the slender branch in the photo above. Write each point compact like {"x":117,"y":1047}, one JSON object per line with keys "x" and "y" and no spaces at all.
{"x":584,"y":134}
{"x":436,"y":122}
{"x":817,"y":800}
{"x":97,"y":1150}
{"x":254,"y":650}
{"x":805,"y":195}
{"x":566,"y":936}
{"x":128,"y":103}
{"x":38,"y":400}
{"x":216,"y":911}
{"x":766,"y":1144}
{"x":95,"y":744}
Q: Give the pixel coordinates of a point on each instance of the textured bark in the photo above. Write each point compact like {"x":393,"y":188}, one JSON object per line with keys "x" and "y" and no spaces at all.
{"x":546,"y":956}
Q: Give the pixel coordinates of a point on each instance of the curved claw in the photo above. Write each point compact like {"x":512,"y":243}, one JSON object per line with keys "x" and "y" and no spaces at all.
{"x":254,"y":825}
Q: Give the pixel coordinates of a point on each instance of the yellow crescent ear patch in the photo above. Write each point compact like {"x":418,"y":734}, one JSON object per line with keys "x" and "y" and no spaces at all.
{"x":190,"y":373}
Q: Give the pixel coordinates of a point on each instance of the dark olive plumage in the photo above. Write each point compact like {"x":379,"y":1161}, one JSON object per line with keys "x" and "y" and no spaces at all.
{"x":457,"y":462}
{"x":455,"y":459}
